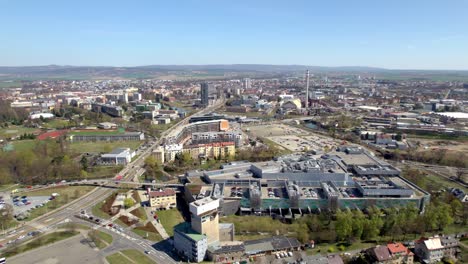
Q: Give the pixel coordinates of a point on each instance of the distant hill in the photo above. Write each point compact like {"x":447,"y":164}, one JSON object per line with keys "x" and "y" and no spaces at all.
{"x":200,"y":71}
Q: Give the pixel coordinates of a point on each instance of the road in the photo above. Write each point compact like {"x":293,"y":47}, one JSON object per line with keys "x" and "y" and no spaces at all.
{"x":98,"y":194}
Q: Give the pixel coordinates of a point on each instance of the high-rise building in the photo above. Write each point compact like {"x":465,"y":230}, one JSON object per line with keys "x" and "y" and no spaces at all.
{"x":205,"y":220}
{"x":247,"y":83}
{"x":191,"y":240}
{"x":206,"y":91}
{"x":307,"y":90}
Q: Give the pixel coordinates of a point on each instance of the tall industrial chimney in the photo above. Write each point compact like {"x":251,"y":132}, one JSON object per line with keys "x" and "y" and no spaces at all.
{"x":307,"y":90}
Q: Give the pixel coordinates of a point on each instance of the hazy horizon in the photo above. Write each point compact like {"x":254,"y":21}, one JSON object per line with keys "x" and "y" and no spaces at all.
{"x":400,"y":35}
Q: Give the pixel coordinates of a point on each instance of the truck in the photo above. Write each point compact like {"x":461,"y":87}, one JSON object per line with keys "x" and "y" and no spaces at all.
{"x":118,"y":178}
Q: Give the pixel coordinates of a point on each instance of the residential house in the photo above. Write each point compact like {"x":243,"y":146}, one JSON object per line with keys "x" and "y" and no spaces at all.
{"x":429,"y":250}
{"x":450,"y":245}
{"x":400,"y":254}
{"x":380,"y":255}
{"x":162,"y":199}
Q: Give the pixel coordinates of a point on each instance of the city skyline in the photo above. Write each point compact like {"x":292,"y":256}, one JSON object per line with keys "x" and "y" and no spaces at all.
{"x":396,"y":35}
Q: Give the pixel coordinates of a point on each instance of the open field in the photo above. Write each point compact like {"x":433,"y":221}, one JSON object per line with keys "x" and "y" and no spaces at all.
{"x":13,"y":131}
{"x":254,"y":227}
{"x":98,"y":147}
{"x":23,"y":145}
{"x":129,"y":256}
{"x":56,"y":123}
{"x":274,"y":130}
{"x":40,"y":241}
{"x":291,"y":138}
{"x":10,"y":84}
{"x":169,"y":219}
{"x":98,"y":172}
{"x":434,"y":144}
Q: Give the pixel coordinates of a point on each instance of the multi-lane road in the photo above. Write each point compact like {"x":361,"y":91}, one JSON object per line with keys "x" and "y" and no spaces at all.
{"x":98,"y":194}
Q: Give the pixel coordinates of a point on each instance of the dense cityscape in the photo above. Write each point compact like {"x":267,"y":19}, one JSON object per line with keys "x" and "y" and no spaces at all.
{"x":311,"y":167}
{"x":234,"y":132}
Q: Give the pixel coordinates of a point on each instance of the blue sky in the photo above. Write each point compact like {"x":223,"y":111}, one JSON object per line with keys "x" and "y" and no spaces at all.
{"x":409,"y":34}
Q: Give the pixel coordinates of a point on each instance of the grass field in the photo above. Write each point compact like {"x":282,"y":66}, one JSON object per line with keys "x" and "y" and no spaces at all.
{"x":99,"y":172}
{"x":153,"y":236}
{"x":56,"y":123}
{"x":169,"y":219}
{"x":129,"y":256}
{"x":324,"y":248}
{"x":23,"y":145}
{"x":66,"y":195}
{"x":40,"y":241}
{"x":140,"y":213}
{"x":97,"y":147}
{"x":96,"y":210}
{"x":12,"y":131}
{"x":102,"y":239}
{"x":253,"y":227}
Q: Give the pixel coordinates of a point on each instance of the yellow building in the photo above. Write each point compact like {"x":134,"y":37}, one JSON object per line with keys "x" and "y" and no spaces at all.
{"x":211,"y":150}
{"x":162,"y":199}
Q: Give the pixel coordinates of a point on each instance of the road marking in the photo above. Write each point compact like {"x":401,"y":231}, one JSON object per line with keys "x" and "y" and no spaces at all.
{"x":48,"y":220}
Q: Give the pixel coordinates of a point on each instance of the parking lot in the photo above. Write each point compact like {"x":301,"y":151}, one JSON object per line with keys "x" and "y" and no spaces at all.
{"x":22,"y":204}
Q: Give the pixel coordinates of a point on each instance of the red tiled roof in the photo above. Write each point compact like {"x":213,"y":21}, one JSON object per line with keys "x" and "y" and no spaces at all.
{"x":165,"y":192}
{"x":396,"y":248}
{"x":215,"y":144}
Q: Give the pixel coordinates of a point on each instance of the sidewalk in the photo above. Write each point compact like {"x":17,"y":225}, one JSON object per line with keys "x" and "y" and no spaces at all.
{"x":156,"y":224}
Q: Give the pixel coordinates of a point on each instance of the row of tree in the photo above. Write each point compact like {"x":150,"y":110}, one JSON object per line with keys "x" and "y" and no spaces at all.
{"x":47,"y":161}
{"x":390,"y":223}
{"x":14,"y":115}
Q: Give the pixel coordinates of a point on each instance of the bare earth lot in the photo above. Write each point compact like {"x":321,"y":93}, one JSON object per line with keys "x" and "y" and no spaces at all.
{"x":72,"y":251}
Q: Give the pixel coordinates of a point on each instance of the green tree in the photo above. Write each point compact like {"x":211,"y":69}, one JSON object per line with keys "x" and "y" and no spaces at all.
{"x":84,"y":163}
{"x":343,"y":225}
{"x":358,"y":224}
{"x":128,"y":202}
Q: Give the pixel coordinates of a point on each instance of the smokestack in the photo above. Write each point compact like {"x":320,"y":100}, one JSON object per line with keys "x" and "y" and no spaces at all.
{"x":307,"y":89}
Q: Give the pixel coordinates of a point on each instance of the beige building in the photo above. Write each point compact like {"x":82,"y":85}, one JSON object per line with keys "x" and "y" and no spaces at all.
{"x":211,"y":150}
{"x":205,"y":218}
{"x":162,"y":199}
{"x":158,"y":153}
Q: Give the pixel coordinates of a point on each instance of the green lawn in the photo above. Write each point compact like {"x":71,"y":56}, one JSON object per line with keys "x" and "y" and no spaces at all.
{"x":39,"y":242}
{"x":8,"y":187}
{"x":102,"y":239}
{"x":99,"y":172}
{"x":13,"y":131}
{"x":254,"y":227}
{"x":324,"y":248}
{"x":140,"y":213}
{"x":129,"y":256}
{"x":56,"y":123}
{"x":66,"y":195}
{"x":10,"y":84}
{"x":24,"y":145}
{"x":96,"y":211}
{"x":169,"y":219}
{"x":97,"y":147}
{"x":153,"y":236}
